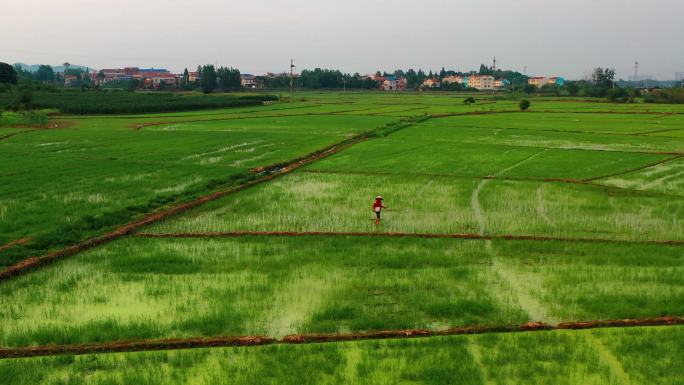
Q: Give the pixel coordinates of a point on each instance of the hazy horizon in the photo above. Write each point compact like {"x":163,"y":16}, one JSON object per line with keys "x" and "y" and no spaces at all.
{"x":565,"y":39}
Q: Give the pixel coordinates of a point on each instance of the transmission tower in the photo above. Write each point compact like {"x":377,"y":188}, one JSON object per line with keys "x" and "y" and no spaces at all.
{"x":636,"y":71}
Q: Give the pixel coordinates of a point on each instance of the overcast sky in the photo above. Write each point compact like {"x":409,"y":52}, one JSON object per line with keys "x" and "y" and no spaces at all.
{"x":549,"y":37}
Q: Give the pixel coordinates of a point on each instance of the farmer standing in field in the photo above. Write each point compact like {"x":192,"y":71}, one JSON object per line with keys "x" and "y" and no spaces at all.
{"x":377,"y":208}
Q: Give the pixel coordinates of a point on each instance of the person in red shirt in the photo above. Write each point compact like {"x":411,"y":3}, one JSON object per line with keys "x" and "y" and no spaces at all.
{"x":377,"y":208}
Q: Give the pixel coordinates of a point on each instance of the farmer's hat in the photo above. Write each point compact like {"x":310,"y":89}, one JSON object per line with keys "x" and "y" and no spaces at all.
{"x":379,"y":197}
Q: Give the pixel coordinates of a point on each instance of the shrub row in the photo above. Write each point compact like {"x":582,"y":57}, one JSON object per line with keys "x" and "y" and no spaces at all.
{"x":674,"y":96}
{"x":23,"y":118}
{"x":77,"y":102}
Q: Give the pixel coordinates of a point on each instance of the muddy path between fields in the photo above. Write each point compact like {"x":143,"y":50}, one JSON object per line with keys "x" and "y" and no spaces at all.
{"x":636,"y":169}
{"x":52,"y":125}
{"x":507,"y":237}
{"x":298,"y":339}
{"x":13,"y":243}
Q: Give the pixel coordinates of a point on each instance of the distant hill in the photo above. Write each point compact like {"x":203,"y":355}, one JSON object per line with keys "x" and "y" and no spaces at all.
{"x":58,"y":68}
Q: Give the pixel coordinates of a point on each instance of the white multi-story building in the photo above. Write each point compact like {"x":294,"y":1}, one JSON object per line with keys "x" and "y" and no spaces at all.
{"x":481,"y":82}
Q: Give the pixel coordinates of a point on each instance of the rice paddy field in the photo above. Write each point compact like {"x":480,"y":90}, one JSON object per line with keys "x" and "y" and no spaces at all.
{"x":570,"y":212}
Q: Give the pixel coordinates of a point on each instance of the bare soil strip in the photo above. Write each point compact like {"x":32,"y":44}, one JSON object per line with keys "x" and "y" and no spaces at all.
{"x":266,"y":175}
{"x":237,"y":234}
{"x":13,"y":243}
{"x":16,"y":133}
{"x":646,"y":133}
{"x":189,"y":343}
{"x":647,"y":112}
{"x":678,"y":156}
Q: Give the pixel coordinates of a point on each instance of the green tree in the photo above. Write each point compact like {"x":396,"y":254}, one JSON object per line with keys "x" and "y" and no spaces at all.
{"x":186,"y":78}
{"x":573,"y":88}
{"x":22,"y":74}
{"x":603,"y":78}
{"x":133,"y":85}
{"x":524,"y":105}
{"x":208,"y":80}
{"x":8,"y":75}
{"x":24,"y":99}
{"x":45,"y":73}
{"x":199,"y":75}
{"x":228,"y":78}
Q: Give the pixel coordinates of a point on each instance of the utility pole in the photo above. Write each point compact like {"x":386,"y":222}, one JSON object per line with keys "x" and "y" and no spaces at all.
{"x":494,"y":75}
{"x":292,"y":66}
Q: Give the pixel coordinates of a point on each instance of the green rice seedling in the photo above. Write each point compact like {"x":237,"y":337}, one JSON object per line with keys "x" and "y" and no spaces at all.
{"x":337,"y":203}
{"x":331,"y":202}
{"x":404,"y":156}
{"x":629,"y":346}
{"x":664,"y":178}
{"x":620,"y":124}
{"x":586,"y":281}
{"x":164,"y":288}
{"x":62,"y":185}
{"x":576,"y":211}
{"x":558,"y":357}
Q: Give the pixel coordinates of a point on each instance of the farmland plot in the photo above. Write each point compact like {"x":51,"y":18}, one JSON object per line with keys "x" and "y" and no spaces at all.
{"x":437,"y":187}
{"x":665,"y":178}
{"x":58,"y":183}
{"x":611,"y":177}
{"x":161,"y":288}
{"x":397,"y":156}
{"x":452,"y":133}
{"x":330,"y":202}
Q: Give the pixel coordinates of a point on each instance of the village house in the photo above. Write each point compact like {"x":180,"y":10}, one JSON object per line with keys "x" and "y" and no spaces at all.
{"x":248,"y":81}
{"x":537,"y":81}
{"x":431,"y":83}
{"x":392,"y":83}
{"x":155,"y":80}
{"x":69,"y":79}
{"x":540,"y":81}
{"x":453,"y":79}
